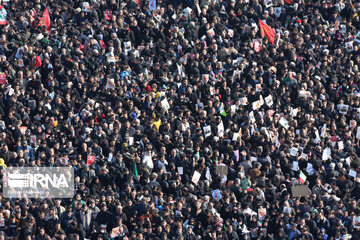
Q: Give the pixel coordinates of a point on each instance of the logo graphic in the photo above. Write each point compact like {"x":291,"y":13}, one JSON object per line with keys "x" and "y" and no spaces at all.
{"x":18,"y":180}
{"x":44,"y":182}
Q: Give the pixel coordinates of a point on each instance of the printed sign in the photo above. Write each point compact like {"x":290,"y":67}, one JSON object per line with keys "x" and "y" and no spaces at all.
{"x":152,"y":5}
{"x":356,"y":222}
{"x":257,"y":45}
{"x":108,"y":14}
{"x":207,"y":131}
{"x":196,"y":177}
{"x":216,"y":194}
{"x":221,"y":170}
{"x":268,"y":3}
{"x":211,"y":32}
{"x":283,"y":122}
{"x":3,"y":78}
{"x":165,"y":104}
{"x":115,"y":232}
{"x":261,"y":213}
{"x":90,"y":160}
{"x":293,"y":151}
{"x":300,"y":190}
{"x":243,"y":101}
{"x":110,"y":83}
{"x":277,"y":11}
{"x":343,"y":108}
{"x":269,"y":100}
{"x":326,"y":154}
{"x":86,"y":7}
{"x":3,"y":14}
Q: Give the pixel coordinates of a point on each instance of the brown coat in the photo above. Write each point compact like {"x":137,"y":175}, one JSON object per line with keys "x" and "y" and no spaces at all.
{"x":254,"y":173}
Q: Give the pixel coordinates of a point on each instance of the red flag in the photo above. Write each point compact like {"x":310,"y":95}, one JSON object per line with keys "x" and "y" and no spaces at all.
{"x":267,"y":31}
{"x":45,"y":20}
{"x":288,"y":1}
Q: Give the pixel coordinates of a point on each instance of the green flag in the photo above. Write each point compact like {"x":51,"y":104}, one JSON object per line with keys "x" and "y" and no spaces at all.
{"x":135,"y":170}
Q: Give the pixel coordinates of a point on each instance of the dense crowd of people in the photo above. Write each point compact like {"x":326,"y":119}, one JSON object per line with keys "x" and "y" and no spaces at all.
{"x":182,"y":120}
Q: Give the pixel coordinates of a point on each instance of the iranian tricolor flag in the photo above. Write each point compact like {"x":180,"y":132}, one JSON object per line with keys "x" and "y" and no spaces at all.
{"x":3,"y":14}
{"x":302,"y":177}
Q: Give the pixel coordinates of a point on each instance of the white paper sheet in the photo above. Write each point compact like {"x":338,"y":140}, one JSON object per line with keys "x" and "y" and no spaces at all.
{"x":293,"y":151}
{"x":196,"y":177}
{"x":326,"y":154}
{"x":309,"y":168}
{"x":295,"y":166}
{"x":358,"y":133}
{"x":237,"y":155}
{"x":110,"y":157}
{"x":165,"y":104}
{"x":224,"y":179}
{"x":283,"y":122}
{"x":207,"y":174}
{"x":269,"y":101}
{"x":352,"y":173}
{"x":341,"y":145}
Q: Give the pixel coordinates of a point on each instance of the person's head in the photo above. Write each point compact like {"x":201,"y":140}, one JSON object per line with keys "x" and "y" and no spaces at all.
{"x":27,"y":237}
{"x":69,"y":212}
{"x":58,"y":202}
{"x":57,"y":226}
{"x":42,"y":231}
{"x":103,"y":207}
{"x":78,"y":205}
{"x":78,"y":195}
